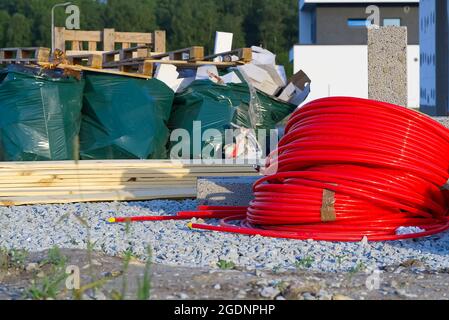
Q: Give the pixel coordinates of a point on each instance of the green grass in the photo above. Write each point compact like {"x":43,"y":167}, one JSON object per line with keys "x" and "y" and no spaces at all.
{"x":226,"y":265}
{"x":13,"y":259}
{"x":304,"y":263}
{"x":50,"y":285}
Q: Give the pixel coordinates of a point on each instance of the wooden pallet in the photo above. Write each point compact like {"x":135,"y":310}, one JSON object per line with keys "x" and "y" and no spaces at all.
{"x":147,"y":66}
{"x":24,"y":55}
{"x":76,"y":70}
{"x":244,"y":55}
{"x":195,"y":53}
{"x":24,"y":183}
{"x":111,"y":57}
{"x":87,"y":60}
{"x":135,"y":55}
{"x":138,"y":66}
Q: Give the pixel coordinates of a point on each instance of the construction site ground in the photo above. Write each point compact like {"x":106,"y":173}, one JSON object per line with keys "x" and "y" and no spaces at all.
{"x":169,"y":282}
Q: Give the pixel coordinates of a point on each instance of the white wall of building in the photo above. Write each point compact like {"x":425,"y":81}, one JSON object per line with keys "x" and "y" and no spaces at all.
{"x":343,"y":70}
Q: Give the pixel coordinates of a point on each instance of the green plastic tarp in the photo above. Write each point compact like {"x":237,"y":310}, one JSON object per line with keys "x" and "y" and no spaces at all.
{"x":224,"y":107}
{"x":124,"y":118}
{"x":40,"y":114}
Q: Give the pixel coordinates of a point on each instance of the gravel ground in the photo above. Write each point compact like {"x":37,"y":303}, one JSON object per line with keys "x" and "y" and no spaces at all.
{"x":41,"y":227}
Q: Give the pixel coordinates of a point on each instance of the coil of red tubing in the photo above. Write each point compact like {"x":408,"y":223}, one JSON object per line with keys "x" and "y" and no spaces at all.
{"x":347,"y":168}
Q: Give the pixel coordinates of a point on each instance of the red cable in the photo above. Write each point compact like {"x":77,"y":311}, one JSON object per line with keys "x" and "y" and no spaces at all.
{"x":384,"y":165}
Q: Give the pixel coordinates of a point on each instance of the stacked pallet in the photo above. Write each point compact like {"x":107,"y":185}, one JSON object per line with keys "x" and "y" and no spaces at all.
{"x":141,"y":60}
{"x":23,"y":183}
{"x":24,"y":55}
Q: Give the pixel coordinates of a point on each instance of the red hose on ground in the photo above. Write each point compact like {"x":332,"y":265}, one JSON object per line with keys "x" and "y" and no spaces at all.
{"x":348,"y":168}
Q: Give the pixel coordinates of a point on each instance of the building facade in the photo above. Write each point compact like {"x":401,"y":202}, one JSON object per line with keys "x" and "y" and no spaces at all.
{"x":332,"y":47}
{"x":434,"y":57}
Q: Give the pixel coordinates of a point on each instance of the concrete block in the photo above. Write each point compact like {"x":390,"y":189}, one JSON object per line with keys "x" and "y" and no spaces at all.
{"x":387,"y":64}
{"x":227,"y":191}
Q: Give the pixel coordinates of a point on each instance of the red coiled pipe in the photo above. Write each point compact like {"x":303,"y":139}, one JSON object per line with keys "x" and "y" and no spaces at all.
{"x":348,"y":168}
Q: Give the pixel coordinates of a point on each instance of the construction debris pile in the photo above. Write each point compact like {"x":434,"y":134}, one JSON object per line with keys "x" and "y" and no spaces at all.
{"x":126,"y":106}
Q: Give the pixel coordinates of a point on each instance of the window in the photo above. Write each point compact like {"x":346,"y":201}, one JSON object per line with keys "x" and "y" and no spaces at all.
{"x":396,"y":22}
{"x":358,"y":23}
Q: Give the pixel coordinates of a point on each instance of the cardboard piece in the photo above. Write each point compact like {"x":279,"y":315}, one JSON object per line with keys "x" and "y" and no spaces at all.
{"x":298,"y":89}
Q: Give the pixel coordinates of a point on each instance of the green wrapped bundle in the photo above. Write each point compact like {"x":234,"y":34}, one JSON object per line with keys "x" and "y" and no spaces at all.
{"x":124,"y":118}
{"x":40,"y":115}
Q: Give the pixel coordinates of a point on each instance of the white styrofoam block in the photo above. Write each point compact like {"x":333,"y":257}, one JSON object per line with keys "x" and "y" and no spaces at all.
{"x":223,"y":42}
{"x":167,"y":73}
{"x":263,"y":56}
{"x":272,"y":71}
{"x":259,"y":78}
{"x":203,"y":73}
{"x":288,"y":92}
{"x":231,"y":77}
{"x":255,"y":73}
{"x":281,"y":71}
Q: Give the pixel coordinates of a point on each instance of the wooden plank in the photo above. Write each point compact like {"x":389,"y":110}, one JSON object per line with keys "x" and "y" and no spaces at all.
{"x":121,"y":172}
{"x":60,"y":38}
{"x":120,"y":195}
{"x":92,"y":46}
{"x":133,"y":37}
{"x":69,"y":53}
{"x":108,"y":39}
{"x":81,"y":35}
{"x":96,"y":182}
{"x":188,"y":64}
{"x":147,"y":68}
{"x":159,"y":41}
{"x":178,"y":163}
{"x":113,"y":180}
{"x":104,"y":71}
{"x":76,"y":46}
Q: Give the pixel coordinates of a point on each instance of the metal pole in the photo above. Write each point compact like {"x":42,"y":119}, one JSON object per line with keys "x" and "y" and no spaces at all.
{"x":53,"y":44}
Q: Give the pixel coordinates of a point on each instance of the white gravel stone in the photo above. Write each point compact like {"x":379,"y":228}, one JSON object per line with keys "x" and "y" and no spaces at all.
{"x":37,"y":228}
